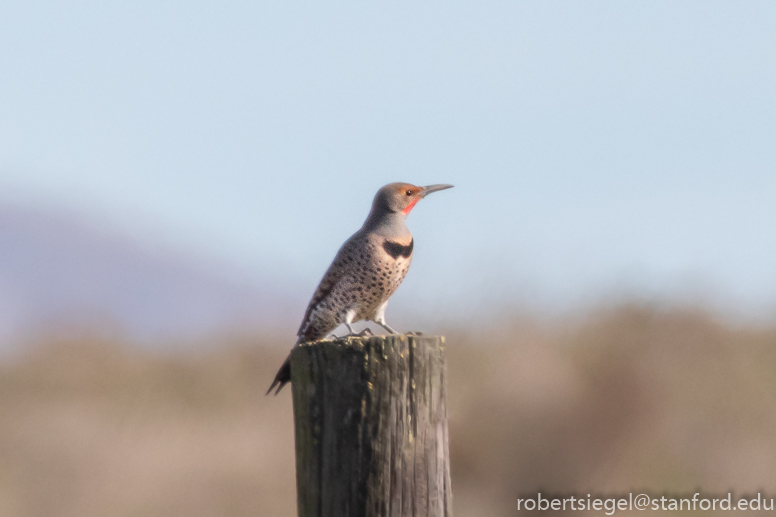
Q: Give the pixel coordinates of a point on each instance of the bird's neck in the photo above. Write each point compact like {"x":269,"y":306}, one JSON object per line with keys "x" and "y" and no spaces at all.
{"x":391,"y":225}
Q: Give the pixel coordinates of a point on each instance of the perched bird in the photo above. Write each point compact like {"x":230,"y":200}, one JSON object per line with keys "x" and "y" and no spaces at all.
{"x":366,"y":271}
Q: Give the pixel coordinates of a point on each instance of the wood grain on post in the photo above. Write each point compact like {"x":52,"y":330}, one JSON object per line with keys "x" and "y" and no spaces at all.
{"x":371,"y":427}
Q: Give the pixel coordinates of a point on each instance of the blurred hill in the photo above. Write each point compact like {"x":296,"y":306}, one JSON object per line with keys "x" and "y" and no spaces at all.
{"x":56,"y":269}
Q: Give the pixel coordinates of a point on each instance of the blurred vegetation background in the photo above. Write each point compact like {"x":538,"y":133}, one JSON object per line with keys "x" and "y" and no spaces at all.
{"x":627,"y":397}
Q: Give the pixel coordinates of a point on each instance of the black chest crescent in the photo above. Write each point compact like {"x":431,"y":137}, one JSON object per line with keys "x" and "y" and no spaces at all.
{"x":396,"y":250}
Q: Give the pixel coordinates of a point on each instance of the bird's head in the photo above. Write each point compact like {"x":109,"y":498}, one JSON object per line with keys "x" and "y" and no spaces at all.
{"x":401,"y":197}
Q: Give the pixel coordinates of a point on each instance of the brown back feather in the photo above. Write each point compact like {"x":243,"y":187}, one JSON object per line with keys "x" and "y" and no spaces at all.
{"x":329,"y":280}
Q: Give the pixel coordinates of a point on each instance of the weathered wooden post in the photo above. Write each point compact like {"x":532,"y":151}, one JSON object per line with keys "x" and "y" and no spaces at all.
{"x":371,"y":427}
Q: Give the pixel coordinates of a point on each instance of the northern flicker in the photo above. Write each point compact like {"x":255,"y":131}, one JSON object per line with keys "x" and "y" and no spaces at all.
{"x":366,"y":271}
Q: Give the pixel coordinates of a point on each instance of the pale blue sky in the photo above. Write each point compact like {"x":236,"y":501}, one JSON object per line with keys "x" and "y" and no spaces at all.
{"x":596,"y":147}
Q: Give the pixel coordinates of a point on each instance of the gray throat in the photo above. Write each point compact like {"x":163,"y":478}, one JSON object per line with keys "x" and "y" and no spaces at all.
{"x":387,"y":224}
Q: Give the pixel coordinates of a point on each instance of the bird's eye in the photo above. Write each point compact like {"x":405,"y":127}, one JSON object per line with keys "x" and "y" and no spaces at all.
{"x":409,"y":192}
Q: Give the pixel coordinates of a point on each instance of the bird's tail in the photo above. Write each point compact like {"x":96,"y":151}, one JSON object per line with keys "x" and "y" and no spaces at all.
{"x":282,"y":377}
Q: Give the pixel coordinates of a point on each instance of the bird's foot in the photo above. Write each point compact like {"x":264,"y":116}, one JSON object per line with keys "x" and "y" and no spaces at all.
{"x":363,"y":333}
{"x":386,"y":327}
{"x":415,"y":333}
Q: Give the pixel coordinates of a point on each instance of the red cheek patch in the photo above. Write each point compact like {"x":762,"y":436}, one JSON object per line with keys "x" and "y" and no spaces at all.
{"x":409,"y":207}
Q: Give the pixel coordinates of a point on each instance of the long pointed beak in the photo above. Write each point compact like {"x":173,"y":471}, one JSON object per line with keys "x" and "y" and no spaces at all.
{"x":433,"y":188}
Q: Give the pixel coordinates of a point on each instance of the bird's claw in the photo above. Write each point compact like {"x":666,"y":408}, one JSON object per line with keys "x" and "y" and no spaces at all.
{"x":386,"y":327}
{"x":363,"y":333}
{"x":415,"y":333}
